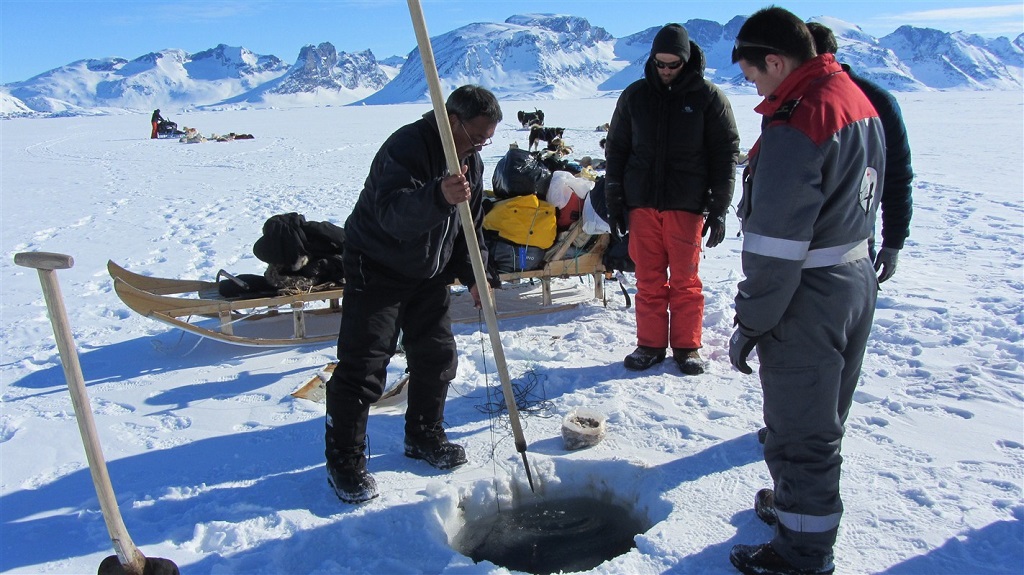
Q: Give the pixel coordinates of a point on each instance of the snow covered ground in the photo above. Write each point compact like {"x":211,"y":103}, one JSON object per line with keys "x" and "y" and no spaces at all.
{"x":218,"y":468}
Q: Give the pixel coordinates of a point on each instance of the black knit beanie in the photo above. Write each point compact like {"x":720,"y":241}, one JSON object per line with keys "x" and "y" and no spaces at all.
{"x":672,"y":39}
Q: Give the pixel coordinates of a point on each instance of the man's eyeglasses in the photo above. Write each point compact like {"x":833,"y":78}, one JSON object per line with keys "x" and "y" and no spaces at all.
{"x":744,"y":44}
{"x":478,"y":143}
{"x":670,"y":65}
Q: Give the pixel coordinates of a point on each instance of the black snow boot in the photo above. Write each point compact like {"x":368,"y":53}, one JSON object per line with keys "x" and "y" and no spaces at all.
{"x":643,"y":357}
{"x":764,"y":506}
{"x":345,"y":449}
{"x":350,"y":480}
{"x":688,"y":360}
{"x":763,"y":560}
{"x":430,"y":443}
{"x":762,"y":435}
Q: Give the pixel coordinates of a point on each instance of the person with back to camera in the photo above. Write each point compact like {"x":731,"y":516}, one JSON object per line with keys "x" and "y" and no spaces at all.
{"x":810,"y":196}
{"x":897,"y":203}
{"x":670,"y":169}
{"x":403,"y":247}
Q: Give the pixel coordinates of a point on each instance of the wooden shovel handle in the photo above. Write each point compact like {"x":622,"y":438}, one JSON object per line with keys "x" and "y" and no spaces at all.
{"x":44,"y":260}
{"x":419,"y":24}
{"x":132,"y":560}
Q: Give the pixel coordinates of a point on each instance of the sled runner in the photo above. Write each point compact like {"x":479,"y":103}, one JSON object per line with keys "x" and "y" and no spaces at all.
{"x":313,"y":317}
{"x":197,"y":307}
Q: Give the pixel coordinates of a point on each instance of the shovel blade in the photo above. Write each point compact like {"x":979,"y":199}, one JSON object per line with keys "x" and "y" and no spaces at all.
{"x":154,"y":566}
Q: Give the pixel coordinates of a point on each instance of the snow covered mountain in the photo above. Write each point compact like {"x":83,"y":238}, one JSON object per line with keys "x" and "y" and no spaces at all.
{"x":526,"y":57}
{"x":320,"y":76}
{"x":165,"y":79}
{"x":957,"y":60}
{"x":714,"y":39}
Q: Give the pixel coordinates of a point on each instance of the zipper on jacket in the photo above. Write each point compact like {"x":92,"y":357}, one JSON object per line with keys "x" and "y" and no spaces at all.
{"x":440,"y":247}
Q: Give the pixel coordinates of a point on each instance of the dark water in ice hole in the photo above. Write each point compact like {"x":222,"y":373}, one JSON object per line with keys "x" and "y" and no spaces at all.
{"x":546,"y":537}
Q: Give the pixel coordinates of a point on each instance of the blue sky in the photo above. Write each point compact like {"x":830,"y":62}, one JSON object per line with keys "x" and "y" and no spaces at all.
{"x":39,"y":35}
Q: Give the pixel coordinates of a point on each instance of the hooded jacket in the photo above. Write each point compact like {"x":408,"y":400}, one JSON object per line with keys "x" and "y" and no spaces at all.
{"x":672,"y":147}
{"x":402,"y":220}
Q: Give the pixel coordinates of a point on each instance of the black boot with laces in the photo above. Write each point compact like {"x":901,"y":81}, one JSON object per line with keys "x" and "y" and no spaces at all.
{"x":346,"y":473}
{"x":763,"y":560}
{"x":430,"y":443}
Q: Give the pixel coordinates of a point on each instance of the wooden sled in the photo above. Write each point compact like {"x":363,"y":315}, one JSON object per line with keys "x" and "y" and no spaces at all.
{"x":558,"y":265}
{"x":190,"y":305}
{"x":197,"y":307}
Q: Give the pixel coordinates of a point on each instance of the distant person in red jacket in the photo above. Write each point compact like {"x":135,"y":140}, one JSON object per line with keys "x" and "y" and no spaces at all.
{"x":155,"y":120}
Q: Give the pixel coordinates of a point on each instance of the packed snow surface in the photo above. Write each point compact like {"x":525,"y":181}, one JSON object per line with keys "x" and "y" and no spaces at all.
{"x":218,"y":468}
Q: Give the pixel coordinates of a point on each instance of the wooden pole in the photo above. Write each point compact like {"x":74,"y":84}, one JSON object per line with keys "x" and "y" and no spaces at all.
{"x":131,"y":559}
{"x":468,"y":226}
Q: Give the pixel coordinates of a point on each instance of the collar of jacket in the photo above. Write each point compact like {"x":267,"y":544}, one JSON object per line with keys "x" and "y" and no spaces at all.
{"x":796,"y":83}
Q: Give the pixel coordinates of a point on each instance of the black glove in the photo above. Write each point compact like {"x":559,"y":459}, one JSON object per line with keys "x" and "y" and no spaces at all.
{"x":886,"y":261}
{"x":618,"y":215}
{"x":715,"y":223}
{"x":619,"y":223}
{"x":618,"y":219}
{"x":741,"y":344}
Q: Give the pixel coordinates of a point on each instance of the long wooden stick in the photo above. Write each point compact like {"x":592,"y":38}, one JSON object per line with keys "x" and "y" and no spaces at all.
{"x":131,"y":559}
{"x":468,"y":226}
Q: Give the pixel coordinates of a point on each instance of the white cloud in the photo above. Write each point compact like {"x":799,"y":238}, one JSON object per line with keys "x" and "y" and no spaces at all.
{"x":985,"y":20}
{"x":972,"y":13}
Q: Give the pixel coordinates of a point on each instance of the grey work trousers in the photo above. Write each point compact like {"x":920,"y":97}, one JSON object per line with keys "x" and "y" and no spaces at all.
{"x":810,"y":366}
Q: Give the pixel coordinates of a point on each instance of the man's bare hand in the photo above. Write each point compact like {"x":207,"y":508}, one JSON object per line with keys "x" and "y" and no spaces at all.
{"x":473,"y":291}
{"x":456,"y":188}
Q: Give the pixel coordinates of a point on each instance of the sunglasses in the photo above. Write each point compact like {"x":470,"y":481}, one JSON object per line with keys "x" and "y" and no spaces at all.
{"x":670,"y":65}
{"x":478,"y":143}
{"x":744,"y":44}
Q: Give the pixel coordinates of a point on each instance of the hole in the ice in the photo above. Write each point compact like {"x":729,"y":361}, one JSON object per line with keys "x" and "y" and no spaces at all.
{"x":548,"y":536}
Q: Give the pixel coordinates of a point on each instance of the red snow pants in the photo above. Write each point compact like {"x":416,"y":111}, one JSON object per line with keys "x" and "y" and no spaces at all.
{"x":152,"y":136}
{"x":665,"y":245}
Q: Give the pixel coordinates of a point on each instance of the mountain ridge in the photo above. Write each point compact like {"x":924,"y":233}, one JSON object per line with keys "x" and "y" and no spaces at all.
{"x":526,"y":57}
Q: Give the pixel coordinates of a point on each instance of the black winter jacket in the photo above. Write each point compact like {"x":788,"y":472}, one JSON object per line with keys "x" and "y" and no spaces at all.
{"x":672,"y":147}
{"x":401,"y":219}
{"x":897,"y":202}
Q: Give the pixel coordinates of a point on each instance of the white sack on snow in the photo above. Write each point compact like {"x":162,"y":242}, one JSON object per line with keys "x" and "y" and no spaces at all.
{"x":593,"y":224}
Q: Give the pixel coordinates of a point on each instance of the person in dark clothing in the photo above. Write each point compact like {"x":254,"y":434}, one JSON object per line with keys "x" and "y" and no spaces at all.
{"x":897,"y":204}
{"x":810,"y":197}
{"x":670,"y":168}
{"x":403,"y":247}
{"x":155,"y":120}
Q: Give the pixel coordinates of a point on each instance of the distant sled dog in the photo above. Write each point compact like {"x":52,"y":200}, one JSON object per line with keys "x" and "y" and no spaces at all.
{"x":540,"y":133}
{"x":534,"y":118}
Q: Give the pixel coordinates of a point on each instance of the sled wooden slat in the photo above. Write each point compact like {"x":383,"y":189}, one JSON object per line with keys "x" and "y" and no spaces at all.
{"x":309,"y":318}
{"x":159,"y":286}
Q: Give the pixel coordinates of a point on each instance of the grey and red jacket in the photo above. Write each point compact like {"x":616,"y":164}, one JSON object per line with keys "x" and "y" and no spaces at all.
{"x":811,"y":189}
{"x":401,"y":219}
{"x":672,"y":147}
